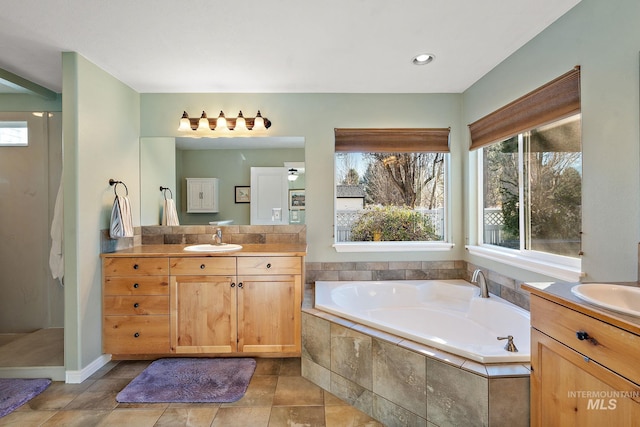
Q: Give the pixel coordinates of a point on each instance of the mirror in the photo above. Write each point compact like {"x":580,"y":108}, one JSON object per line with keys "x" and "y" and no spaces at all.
{"x":168,"y":161}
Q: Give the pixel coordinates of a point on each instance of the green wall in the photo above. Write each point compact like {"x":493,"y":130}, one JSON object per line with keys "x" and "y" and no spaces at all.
{"x":101,"y":130}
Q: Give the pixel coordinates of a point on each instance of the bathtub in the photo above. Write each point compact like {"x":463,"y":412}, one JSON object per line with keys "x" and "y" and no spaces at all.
{"x":445,"y":314}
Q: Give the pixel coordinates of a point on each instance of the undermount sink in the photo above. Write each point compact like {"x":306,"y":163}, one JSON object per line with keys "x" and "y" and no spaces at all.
{"x":207,"y":247}
{"x":620,"y":298}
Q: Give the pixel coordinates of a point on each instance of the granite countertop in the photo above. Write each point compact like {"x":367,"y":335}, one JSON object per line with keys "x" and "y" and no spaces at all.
{"x":278,"y":249}
{"x":560,"y":293}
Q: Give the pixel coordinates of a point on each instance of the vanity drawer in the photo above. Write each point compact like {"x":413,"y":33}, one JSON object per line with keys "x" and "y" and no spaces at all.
{"x":136,"y":334}
{"x":606,"y":344}
{"x":136,"y":305}
{"x":136,"y":285}
{"x":223,"y":266}
{"x":269,"y":265}
{"x":135,"y":266}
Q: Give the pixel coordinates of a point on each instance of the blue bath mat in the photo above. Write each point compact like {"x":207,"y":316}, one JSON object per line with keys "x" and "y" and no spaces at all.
{"x":15,"y":392}
{"x":190,"y":380}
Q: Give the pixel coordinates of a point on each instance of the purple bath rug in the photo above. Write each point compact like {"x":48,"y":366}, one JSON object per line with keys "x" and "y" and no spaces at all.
{"x":15,"y":392}
{"x":190,"y":380}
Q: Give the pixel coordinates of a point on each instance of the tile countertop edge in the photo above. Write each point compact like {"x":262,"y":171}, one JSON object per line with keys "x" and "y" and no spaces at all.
{"x":277,"y":249}
{"x":560,"y":293}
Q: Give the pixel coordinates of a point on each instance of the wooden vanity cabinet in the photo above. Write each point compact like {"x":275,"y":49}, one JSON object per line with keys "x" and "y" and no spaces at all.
{"x":584,"y":370}
{"x":135,"y":306}
{"x":236,"y":305}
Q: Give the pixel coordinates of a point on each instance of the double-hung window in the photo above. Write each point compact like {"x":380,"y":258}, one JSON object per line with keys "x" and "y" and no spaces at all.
{"x":530,"y":180}
{"x":391,"y":189}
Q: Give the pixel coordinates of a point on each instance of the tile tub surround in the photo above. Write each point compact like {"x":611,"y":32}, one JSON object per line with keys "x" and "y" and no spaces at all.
{"x":402,"y":383}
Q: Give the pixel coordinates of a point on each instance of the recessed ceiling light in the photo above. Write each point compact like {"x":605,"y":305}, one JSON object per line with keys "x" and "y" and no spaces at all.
{"x":423,"y":58}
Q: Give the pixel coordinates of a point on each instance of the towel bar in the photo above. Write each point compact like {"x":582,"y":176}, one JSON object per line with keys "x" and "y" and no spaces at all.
{"x":113,"y":182}
{"x":164,"y":192}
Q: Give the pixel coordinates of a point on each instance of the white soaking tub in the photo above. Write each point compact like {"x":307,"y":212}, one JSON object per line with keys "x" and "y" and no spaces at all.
{"x":445,"y":314}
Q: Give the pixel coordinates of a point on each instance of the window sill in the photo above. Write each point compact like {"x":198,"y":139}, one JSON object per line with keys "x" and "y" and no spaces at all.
{"x":569,"y":273}
{"x":392,"y":246}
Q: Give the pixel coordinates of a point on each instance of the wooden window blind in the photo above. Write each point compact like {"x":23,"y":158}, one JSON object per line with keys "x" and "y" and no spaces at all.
{"x":421,"y":140}
{"x":555,"y":100}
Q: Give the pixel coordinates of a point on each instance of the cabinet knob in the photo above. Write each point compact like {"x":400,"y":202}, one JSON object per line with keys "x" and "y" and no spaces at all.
{"x":233,"y":285}
{"x":136,"y":285}
{"x":584,"y":336}
{"x":240,"y":284}
{"x":202,"y":266}
{"x":136,"y":335}
{"x":269,"y":265}
{"x":135,"y":266}
{"x":136,"y":305}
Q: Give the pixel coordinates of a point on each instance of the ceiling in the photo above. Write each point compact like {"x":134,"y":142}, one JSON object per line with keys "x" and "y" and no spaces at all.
{"x":288,"y":46}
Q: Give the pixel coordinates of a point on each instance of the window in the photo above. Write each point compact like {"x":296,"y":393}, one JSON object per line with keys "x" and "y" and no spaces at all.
{"x":530,"y":179}
{"x":531,"y":190}
{"x":390,"y":186}
{"x":13,"y":133}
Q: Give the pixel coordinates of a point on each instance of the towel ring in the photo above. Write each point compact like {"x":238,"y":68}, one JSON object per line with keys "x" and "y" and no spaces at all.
{"x":113,"y":182}
{"x":164,"y":192}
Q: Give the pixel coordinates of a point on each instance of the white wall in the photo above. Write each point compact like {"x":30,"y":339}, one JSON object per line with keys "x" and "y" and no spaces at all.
{"x":604,"y":39}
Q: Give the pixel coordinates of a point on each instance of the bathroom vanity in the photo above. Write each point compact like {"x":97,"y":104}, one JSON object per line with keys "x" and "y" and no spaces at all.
{"x":159,"y":300}
{"x":583,"y":361}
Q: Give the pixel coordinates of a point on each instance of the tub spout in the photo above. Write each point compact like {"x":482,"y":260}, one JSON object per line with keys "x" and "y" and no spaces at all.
{"x":479,"y":279}
{"x":510,"y":346}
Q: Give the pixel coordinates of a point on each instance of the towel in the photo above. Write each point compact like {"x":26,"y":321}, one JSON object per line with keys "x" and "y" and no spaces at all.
{"x":56,"y":255}
{"x":121,"y":219}
{"x":169,"y":213}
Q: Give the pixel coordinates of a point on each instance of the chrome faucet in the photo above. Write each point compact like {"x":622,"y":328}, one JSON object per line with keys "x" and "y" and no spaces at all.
{"x":510,"y":346}
{"x":217,"y":238}
{"x":479,"y":279}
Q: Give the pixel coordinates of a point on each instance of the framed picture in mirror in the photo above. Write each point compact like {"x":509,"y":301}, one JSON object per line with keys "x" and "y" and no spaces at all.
{"x":243,"y":194}
{"x":296,"y":200}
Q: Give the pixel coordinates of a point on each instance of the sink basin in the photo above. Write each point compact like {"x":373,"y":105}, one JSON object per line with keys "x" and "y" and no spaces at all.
{"x":207,"y":247}
{"x":620,"y":298}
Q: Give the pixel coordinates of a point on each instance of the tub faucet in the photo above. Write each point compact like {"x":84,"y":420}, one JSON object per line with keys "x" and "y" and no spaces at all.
{"x":217,"y":238}
{"x":479,"y":279}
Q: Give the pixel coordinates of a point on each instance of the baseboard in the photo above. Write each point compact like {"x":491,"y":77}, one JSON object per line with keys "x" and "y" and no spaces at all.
{"x":76,"y":377}
{"x":55,"y":373}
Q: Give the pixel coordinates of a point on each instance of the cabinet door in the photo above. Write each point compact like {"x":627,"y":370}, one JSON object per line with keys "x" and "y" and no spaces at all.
{"x":202,"y":195}
{"x":568,"y":389}
{"x":269,"y":314}
{"x":203,"y":314}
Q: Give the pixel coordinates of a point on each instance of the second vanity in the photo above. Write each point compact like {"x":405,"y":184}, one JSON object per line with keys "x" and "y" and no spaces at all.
{"x":159,"y":300}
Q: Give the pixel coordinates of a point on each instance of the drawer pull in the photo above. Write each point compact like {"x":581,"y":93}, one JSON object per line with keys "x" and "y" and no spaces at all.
{"x":582,"y":336}
{"x":136,"y":305}
{"x":136,"y":285}
{"x":135,"y":266}
{"x":269,"y":265}
{"x":240,"y":284}
{"x":136,"y":335}
{"x":202,"y":266}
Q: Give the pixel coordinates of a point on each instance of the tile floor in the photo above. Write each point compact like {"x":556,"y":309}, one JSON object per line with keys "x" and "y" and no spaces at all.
{"x":277,"y":396}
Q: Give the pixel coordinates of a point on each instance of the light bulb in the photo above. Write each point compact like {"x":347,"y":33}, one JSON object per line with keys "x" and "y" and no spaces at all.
{"x":203,"y":123}
{"x":185,"y":124}
{"x":258,"y":123}
{"x":221,"y":122}
{"x":241,"y":123}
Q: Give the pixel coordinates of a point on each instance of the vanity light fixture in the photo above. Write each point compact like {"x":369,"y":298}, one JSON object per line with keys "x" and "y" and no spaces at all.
{"x":221,"y":122}
{"x":423,"y":59}
{"x":293,"y":174}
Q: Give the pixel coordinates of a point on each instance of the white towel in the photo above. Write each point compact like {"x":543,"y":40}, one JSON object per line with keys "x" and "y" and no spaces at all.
{"x":121,"y":219}
{"x":56,"y":255}
{"x":169,"y":213}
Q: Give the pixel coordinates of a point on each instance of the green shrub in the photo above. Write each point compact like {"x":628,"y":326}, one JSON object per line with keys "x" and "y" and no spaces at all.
{"x":392,"y":223}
